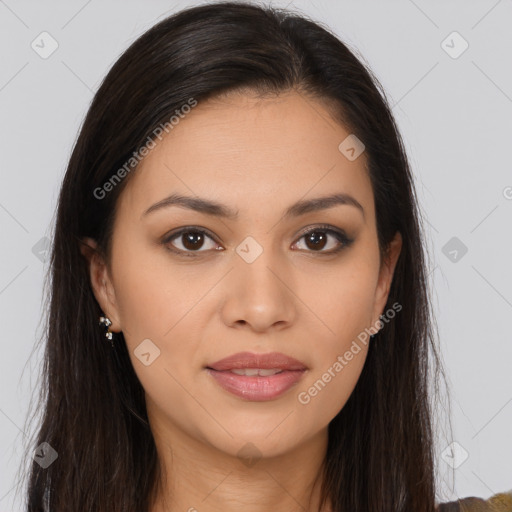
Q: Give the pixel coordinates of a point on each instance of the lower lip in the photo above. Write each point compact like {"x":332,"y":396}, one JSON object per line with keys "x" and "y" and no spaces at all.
{"x":257,"y":388}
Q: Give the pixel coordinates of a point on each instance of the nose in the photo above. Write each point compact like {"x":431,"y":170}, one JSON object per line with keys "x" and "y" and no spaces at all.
{"x":259,"y":296}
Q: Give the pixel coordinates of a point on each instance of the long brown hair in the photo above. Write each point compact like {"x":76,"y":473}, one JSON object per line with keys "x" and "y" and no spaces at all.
{"x":380,"y":454}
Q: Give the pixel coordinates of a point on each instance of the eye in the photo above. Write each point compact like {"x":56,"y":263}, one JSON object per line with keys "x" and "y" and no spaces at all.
{"x":191,"y":240}
{"x":316,"y":239}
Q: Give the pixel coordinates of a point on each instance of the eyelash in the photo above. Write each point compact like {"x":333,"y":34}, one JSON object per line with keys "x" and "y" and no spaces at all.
{"x":339,"y":235}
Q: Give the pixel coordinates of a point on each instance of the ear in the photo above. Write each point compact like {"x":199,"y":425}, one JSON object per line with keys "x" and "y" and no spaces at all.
{"x":101,"y":281}
{"x":387,"y":270}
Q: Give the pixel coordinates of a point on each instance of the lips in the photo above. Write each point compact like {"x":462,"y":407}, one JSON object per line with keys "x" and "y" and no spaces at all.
{"x":268,"y":361}
{"x":257,"y":377}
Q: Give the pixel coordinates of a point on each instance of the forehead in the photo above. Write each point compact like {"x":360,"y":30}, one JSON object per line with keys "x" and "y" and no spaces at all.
{"x":247,"y":151}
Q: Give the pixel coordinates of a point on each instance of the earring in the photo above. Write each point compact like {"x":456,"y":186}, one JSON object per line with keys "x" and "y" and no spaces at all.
{"x":107,"y":323}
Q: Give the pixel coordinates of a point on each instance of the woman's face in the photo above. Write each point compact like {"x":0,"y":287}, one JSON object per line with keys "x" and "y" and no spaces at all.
{"x":255,"y":282}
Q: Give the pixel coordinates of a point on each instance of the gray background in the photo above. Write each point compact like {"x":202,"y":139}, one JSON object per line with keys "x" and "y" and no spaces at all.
{"x":455,"y":115}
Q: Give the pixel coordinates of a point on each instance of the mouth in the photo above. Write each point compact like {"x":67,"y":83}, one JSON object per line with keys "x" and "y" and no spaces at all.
{"x":257,"y":377}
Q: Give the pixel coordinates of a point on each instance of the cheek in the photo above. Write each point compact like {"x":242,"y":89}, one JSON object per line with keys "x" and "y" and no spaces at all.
{"x":162,"y":305}
{"x":152,"y":295}
{"x":345,"y":307}
{"x":345,"y":303}
{"x":157,"y":315}
{"x":333,"y":379}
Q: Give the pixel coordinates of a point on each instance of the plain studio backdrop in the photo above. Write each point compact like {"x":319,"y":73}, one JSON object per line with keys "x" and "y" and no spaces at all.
{"x":446,"y":68}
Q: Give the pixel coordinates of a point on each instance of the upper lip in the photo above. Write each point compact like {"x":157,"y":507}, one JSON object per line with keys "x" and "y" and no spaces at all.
{"x":251,"y":360}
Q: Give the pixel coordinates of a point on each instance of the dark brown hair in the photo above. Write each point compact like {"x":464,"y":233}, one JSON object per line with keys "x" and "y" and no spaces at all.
{"x":380,"y":454}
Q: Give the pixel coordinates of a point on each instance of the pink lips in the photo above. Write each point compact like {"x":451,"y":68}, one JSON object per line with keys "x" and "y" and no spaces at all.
{"x":257,"y":388}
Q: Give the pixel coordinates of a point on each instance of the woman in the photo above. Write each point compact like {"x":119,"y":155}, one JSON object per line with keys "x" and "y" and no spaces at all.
{"x":209,"y":346}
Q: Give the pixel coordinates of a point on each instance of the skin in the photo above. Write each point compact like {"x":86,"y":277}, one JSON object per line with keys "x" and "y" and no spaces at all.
{"x":244,"y":152}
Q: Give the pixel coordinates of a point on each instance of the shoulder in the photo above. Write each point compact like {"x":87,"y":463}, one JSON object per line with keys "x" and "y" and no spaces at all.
{"x":501,"y":502}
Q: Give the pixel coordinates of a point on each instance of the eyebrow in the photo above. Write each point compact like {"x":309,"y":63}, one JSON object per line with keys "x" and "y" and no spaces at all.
{"x":214,"y":208}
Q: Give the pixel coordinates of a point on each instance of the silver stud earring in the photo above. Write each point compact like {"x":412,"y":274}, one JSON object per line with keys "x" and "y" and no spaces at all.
{"x":107,"y":323}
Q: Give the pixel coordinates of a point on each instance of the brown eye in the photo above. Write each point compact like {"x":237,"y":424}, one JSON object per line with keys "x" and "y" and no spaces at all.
{"x":317,"y":239}
{"x":192,"y":241}
{"x":189,"y":240}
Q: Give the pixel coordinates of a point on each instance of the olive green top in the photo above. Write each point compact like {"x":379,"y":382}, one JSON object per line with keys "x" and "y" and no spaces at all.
{"x":501,"y":502}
